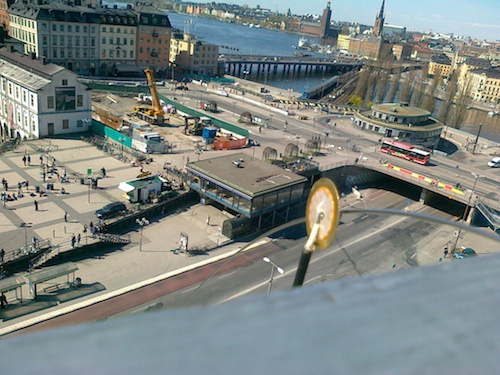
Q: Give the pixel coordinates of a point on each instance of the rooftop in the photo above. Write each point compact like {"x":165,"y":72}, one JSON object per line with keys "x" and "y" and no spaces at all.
{"x":402,"y":110}
{"x":251,"y":176}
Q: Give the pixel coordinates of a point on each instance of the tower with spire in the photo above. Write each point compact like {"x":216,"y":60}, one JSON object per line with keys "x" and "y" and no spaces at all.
{"x":378,"y":28}
{"x":325,"y":20}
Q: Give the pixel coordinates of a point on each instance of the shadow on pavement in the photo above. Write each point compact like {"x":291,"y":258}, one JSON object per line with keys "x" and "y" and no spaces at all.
{"x":47,"y":300}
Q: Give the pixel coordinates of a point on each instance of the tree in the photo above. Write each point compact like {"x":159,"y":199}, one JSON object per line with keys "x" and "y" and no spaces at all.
{"x":429,"y":102}
{"x":383,"y":80}
{"x":370,"y":87}
{"x":356,"y":101}
{"x":451,"y":89}
{"x":393,"y":87}
{"x":462,"y":103}
{"x":405,"y":91}
{"x":362,"y":85}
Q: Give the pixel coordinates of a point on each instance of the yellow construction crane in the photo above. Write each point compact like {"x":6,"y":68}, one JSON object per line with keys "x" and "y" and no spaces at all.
{"x":154,"y":114}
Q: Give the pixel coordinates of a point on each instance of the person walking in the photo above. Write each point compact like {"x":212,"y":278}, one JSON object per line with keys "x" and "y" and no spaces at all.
{"x":29,"y":160}
{"x":208,"y":220}
{"x":36,"y":205}
{"x":65,"y":217}
{"x":41,"y":159}
{"x":73,"y":240}
{"x":78,"y":239}
{"x":24,"y":160}
{"x":445,"y":251}
{"x":2,"y":255}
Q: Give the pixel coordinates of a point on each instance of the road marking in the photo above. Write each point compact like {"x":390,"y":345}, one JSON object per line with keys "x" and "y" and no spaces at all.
{"x":226,"y":274}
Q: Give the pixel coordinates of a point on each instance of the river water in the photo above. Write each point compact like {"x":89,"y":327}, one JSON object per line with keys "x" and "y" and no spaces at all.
{"x":239,"y":39}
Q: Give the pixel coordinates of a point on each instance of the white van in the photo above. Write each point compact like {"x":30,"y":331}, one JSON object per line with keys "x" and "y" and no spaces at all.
{"x":494,"y":163}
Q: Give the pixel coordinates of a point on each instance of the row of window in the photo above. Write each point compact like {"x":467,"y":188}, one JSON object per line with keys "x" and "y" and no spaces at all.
{"x":117,"y":53}
{"x":62,"y":53}
{"x":17,"y":92}
{"x":119,"y":41}
{"x":68,"y":41}
{"x":118,"y":30}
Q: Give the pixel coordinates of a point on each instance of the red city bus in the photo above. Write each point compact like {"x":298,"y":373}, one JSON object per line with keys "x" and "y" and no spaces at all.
{"x":406,"y":151}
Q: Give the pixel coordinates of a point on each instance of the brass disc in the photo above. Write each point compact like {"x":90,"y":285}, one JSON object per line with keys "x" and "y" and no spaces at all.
{"x":324,"y":197}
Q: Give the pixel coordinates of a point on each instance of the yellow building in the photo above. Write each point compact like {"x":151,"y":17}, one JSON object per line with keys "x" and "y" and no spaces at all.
{"x":193,"y":56}
{"x":485,"y":85}
{"x":441,"y":65}
{"x":343,"y":42}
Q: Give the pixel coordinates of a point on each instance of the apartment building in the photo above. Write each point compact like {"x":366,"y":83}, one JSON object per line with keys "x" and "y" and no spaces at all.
{"x":485,"y":85}
{"x":193,"y":56}
{"x":91,"y":40}
{"x":440,"y":64}
{"x":38,"y":99}
{"x":153,"y":33}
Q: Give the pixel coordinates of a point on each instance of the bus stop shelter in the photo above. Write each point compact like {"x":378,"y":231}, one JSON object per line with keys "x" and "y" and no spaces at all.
{"x":39,"y":277}
{"x":12,"y":283}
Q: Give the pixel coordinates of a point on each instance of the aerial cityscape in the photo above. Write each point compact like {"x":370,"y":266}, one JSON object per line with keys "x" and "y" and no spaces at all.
{"x":177,"y":174}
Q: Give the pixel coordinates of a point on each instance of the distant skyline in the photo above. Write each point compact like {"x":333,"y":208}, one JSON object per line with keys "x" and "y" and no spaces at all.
{"x":478,"y":19}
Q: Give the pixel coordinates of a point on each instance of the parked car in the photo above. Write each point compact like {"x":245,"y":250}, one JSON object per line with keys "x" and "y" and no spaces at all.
{"x":111,"y":210}
{"x":494,"y":163}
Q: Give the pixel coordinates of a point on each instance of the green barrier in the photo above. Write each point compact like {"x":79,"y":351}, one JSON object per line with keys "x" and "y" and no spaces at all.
{"x":222,"y":124}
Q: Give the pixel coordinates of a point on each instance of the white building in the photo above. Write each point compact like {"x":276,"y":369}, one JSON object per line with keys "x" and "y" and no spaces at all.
{"x":39,"y":99}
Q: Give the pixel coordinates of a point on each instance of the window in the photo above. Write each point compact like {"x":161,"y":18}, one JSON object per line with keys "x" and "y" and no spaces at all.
{"x":111,"y":29}
{"x":103,"y":40}
{"x":61,"y":40}
{"x":84,"y":29}
{"x":54,"y":27}
{"x":65,"y":82}
{"x":77,"y":28}
{"x":32,"y":97}
{"x":92,"y":42}
{"x":50,"y":102}
{"x":70,"y":28}
{"x":103,"y":29}
{"x":61,"y":28}
{"x":65,"y":124}
{"x":131,"y":54}
{"x":79,"y":100}
{"x":77,"y":41}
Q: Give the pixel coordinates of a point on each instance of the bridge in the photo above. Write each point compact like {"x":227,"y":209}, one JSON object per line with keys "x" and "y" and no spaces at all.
{"x":242,"y":66}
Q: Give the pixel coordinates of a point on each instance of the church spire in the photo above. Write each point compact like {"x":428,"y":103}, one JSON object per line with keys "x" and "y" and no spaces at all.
{"x":381,"y":14}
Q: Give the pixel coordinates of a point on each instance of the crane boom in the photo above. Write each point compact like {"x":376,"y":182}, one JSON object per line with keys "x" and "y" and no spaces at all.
{"x":152,"y":88}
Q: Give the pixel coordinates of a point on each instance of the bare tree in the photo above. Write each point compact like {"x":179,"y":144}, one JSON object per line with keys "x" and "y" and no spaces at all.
{"x":363,"y":81}
{"x":393,"y":87}
{"x":462,"y":103}
{"x":370,"y":87}
{"x":382,"y":81}
{"x":429,"y":102}
{"x":451,"y":89}
{"x":406,"y":89}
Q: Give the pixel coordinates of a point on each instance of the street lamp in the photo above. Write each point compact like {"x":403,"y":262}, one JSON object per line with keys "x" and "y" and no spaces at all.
{"x":274,"y":267}
{"x":142,"y":223}
{"x":464,"y":216}
{"x":25,"y":226}
{"x":122,"y":141}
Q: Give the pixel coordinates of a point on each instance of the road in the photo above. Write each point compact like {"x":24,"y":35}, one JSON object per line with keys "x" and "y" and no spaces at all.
{"x":385,"y":244}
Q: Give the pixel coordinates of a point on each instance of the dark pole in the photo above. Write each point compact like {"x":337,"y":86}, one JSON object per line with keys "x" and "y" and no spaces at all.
{"x":302,"y":269}
{"x":477,"y":138}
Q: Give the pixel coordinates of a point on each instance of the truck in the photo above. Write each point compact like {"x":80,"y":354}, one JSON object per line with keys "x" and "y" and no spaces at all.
{"x":210,"y":106}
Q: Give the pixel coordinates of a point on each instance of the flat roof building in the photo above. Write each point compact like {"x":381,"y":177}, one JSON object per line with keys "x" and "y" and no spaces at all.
{"x":263,"y":193}
{"x":402,"y":122}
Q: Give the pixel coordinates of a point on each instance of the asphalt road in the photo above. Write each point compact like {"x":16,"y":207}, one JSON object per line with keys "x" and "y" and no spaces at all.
{"x":384,"y":244}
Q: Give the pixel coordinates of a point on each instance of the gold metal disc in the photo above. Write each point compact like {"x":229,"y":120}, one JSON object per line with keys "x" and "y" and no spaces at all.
{"x":324,"y":197}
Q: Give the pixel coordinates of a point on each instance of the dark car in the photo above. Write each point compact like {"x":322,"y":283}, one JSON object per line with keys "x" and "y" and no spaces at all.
{"x":111,"y":210}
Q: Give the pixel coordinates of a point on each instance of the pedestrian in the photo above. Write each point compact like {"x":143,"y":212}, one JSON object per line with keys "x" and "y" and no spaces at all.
{"x":79,"y":238}
{"x":41,"y":159}
{"x":208,"y":220}
{"x":27,"y":184}
{"x":4,"y":203}
{"x":3,"y":301}
{"x":19,"y":188}
{"x":91,"y":225}
{"x":35,"y":242}
{"x":2,"y":255}
{"x":36,"y":205}
{"x":29,"y":160}
{"x":85,"y":229}
{"x":445,"y":251}
{"x":44,"y":176}
{"x":65,"y":216}
{"x":6,"y":185}
{"x":73,"y":240}
{"x":24,"y":160}
{"x":260,"y":129}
